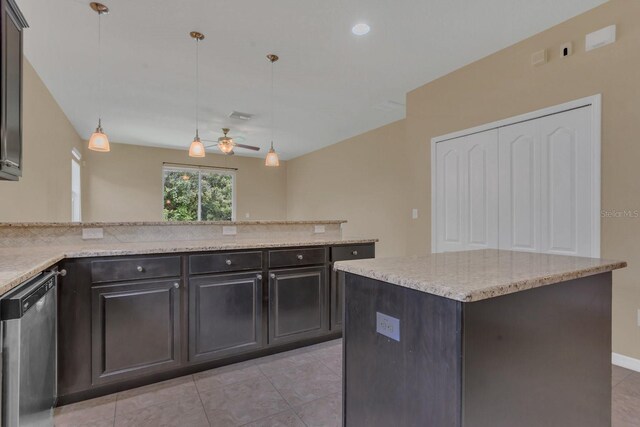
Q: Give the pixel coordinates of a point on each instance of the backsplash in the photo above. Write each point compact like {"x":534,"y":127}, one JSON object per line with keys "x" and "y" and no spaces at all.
{"x":43,"y":234}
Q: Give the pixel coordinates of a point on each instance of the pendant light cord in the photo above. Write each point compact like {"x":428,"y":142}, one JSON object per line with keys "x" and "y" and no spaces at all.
{"x":272,"y":105}
{"x":197,"y":86}
{"x":100,"y":84}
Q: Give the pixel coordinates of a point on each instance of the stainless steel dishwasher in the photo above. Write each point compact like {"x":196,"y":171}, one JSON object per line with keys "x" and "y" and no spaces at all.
{"x":29,"y":377}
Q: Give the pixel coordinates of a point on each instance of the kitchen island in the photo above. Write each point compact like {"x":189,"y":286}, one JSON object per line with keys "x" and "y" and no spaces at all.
{"x":478,"y":338}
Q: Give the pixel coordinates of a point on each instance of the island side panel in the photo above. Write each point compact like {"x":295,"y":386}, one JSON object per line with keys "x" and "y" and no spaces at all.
{"x":540,"y":357}
{"x":413,"y":382}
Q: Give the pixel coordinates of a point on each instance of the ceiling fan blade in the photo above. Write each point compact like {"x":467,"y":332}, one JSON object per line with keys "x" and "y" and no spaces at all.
{"x":248,"y":147}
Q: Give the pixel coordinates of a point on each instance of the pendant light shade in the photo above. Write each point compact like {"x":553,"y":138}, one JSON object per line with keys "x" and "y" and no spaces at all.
{"x":99,"y":140}
{"x":196,"y":149}
{"x":272,"y":159}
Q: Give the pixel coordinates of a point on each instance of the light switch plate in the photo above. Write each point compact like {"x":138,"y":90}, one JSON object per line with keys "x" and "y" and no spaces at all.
{"x":92,"y":233}
{"x":319,"y":229}
{"x":229,"y":230}
{"x":388,"y":326}
{"x":414,"y":213}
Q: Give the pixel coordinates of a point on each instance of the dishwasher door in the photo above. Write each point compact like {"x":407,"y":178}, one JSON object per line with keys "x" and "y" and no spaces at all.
{"x":30,"y":353}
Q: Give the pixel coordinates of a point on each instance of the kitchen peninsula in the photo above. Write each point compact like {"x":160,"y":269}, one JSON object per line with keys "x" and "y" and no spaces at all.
{"x":143,"y":302}
{"x":477,"y":339}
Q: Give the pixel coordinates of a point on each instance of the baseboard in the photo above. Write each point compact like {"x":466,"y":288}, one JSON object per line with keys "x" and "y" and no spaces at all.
{"x":625,"y":362}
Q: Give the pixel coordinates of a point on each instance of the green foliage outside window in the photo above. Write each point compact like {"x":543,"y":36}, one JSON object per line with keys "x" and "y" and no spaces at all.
{"x":181,"y":188}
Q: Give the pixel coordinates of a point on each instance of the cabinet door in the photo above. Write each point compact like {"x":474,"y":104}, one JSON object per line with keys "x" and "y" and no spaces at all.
{"x":135,"y":329}
{"x":297,"y":304}
{"x":467,"y":192}
{"x":11,"y":153}
{"x":225,"y":315}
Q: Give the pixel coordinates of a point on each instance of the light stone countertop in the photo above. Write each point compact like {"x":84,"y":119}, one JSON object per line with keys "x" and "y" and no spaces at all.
{"x":22,"y":263}
{"x":476,"y":275}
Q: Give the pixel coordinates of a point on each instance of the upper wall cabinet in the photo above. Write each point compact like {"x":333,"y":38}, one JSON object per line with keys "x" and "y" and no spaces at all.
{"x":529,"y":186}
{"x":11,"y":23}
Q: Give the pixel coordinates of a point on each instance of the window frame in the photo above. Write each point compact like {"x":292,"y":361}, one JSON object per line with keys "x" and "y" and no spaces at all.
{"x":199,"y":170}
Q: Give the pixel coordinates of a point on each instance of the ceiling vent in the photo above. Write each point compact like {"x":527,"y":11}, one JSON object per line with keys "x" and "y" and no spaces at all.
{"x":240,"y":116}
{"x":388,"y":106}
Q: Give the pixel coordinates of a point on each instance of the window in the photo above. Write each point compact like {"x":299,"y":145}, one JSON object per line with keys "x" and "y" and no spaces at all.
{"x":198,"y":194}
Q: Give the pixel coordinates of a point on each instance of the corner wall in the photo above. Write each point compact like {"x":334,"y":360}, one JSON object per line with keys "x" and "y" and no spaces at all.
{"x":363,"y":180}
{"x":44,"y":191}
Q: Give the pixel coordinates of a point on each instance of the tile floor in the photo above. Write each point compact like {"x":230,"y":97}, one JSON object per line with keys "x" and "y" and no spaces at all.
{"x":297,"y":389}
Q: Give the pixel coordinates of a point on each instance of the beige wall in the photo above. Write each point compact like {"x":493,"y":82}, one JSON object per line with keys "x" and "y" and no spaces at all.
{"x":505,"y":84}
{"x":499,"y":86}
{"x":126,"y":184}
{"x":44,"y":191}
{"x":362,"y":180}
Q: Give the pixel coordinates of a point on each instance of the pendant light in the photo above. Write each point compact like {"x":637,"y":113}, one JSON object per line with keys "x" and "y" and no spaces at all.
{"x":197,"y":147}
{"x":272,"y":156}
{"x":99,"y":140}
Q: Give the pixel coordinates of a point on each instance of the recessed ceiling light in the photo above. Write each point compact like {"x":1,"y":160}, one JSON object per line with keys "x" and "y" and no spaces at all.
{"x":360,"y":29}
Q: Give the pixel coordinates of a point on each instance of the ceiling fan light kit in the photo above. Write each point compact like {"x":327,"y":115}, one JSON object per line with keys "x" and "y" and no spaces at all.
{"x":99,"y":140}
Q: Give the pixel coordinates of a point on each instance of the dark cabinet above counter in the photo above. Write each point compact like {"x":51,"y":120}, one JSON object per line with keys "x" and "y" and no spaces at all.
{"x":130,"y":320}
{"x":12,"y":23}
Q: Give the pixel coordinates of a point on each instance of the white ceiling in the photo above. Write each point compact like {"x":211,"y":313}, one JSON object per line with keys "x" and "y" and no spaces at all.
{"x":330,"y":84}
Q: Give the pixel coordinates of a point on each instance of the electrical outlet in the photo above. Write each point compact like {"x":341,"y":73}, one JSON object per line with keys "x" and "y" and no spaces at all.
{"x":247,"y":215}
{"x":229,"y":230}
{"x":92,"y":233}
{"x":318,"y":229}
{"x":414,"y":213}
{"x":639,"y":317}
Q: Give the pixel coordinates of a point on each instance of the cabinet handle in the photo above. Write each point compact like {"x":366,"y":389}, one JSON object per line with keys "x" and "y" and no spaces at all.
{"x":259,"y":276}
{"x":140,"y":269}
{"x":176,"y":285}
{"x":300,"y":257}
{"x":354,"y":253}
{"x":228,"y":262}
{"x":272,"y":275}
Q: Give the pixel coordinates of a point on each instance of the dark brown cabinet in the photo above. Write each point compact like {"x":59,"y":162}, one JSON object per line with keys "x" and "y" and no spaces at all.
{"x":135,"y":329}
{"x":297,"y":304}
{"x":225,"y":315}
{"x":11,"y":24}
{"x":344,"y":253}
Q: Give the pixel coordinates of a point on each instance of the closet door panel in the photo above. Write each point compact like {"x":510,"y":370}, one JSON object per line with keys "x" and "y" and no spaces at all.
{"x":566,"y":177}
{"x":519,"y":186}
{"x":481,"y":207}
{"x":449,"y":196}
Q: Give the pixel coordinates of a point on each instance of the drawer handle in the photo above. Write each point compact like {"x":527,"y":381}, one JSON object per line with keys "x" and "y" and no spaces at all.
{"x":228,"y":262}
{"x":300,"y":257}
{"x":259,"y":276}
{"x":354,"y":253}
{"x":272,"y":275}
{"x":176,"y":285}
{"x":140,"y":269}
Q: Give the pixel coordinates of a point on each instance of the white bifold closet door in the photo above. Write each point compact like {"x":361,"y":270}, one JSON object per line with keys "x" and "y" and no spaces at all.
{"x":546,"y":180}
{"x":526,"y":187}
{"x":467,"y":192}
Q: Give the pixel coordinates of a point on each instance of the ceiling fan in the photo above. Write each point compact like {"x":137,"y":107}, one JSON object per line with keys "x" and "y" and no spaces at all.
{"x":226,"y":144}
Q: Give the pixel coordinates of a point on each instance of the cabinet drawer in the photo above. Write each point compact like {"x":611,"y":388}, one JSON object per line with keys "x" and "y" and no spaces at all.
{"x":134,"y":268}
{"x":346,"y":253}
{"x":294,"y":257}
{"x":224,"y":262}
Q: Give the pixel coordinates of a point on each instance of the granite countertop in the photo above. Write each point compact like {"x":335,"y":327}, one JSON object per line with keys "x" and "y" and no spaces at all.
{"x":476,"y":275}
{"x":22,"y":263}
